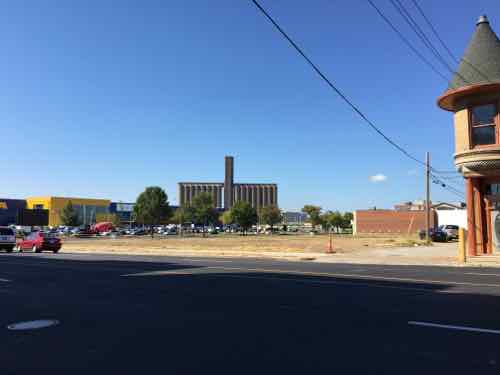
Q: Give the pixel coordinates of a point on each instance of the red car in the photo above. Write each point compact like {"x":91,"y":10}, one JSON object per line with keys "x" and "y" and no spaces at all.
{"x":39,"y":241}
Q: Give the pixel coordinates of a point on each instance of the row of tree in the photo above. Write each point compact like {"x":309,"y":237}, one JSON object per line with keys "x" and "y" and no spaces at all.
{"x":327,"y":220}
{"x":152,"y":208}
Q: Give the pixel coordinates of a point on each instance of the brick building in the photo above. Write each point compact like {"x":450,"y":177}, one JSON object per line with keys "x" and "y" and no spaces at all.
{"x":390,"y":221}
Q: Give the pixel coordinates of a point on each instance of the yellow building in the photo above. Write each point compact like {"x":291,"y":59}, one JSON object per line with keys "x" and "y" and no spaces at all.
{"x":87,"y":208}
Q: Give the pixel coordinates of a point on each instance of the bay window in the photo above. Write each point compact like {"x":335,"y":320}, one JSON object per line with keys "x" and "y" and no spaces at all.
{"x":483,"y":125}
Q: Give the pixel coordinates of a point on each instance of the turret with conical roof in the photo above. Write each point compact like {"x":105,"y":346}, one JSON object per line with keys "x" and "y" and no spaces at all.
{"x":473,"y":96}
{"x":479,"y":65}
{"x":481,"y":61}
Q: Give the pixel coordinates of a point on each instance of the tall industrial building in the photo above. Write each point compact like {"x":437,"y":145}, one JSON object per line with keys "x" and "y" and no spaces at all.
{"x":226,"y":193}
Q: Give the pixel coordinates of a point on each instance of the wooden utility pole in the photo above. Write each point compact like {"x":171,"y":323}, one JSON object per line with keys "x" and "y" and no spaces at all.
{"x":427,"y":197}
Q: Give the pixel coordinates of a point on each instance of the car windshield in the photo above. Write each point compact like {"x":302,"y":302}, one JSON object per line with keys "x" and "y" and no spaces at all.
{"x":48,"y":235}
{"x":6,"y":232}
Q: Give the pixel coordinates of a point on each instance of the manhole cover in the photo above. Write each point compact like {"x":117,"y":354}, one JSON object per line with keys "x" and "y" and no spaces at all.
{"x":33,"y":324}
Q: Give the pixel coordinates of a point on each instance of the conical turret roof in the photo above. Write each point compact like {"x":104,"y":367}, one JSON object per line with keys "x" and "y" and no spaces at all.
{"x":481,"y":61}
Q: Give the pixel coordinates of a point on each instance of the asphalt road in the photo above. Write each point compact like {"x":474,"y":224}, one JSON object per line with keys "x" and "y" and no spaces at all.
{"x":139,"y":314}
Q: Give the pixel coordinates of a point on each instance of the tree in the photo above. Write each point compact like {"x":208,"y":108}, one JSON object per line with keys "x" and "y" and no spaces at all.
{"x":336,"y":220}
{"x":226,"y":218}
{"x":348,"y":217}
{"x":204,"y":209}
{"x":325,"y":220}
{"x":314,"y":213}
{"x":179,"y":216}
{"x":244,"y":215}
{"x":151,"y":207}
{"x":69,"y":215}
{"x":270,"y":215}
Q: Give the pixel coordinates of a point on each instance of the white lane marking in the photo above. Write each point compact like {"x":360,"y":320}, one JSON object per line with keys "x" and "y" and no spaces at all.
{"x":458,"y":328}
{"x":33,"y":324}
{"x":5,"y":280}
{"x":481,"y":274}
{"x":205,"y":260}
{"x":274,"y":278}
{"x":82,"y":267}
{"x":347,"y":275}
{"x":305,"y":281}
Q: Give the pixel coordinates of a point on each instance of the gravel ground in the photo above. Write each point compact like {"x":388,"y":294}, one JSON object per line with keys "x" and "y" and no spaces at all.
{"x":348,"y":249}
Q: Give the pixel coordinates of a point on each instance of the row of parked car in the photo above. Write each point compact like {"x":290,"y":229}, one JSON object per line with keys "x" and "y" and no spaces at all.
{"x":443,"y":233}
{"x":36,"y":241}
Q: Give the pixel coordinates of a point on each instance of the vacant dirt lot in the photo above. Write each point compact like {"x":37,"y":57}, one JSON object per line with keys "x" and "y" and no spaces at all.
{"x":230,"y":243}
{"x":348,"y":249}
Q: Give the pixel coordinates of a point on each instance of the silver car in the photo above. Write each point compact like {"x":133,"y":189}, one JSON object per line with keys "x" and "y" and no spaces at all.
{"x":7,"y":239}
{"x":450,"y":230}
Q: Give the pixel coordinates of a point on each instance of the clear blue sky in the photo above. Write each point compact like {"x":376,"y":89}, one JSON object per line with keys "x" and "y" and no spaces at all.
{"x":102,"y":98}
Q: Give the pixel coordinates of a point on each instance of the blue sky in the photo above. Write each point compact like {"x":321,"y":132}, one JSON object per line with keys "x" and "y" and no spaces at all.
{"x":102,"y":98}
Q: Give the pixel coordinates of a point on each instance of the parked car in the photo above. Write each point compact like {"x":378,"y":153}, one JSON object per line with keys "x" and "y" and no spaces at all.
{"x":138,"y":232}
{"x":451,"y":231}
{"x":212,"y":230}
{"x":436,"y":235}
{"x":7,"y":239}
{"x":170,"y":231}
{"x":40,"y":241}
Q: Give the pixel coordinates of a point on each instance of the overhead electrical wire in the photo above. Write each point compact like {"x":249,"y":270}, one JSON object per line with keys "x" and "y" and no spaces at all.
{"x":423,"y":37}
{"x":336,"y":89}
{"x":434,"y":31}
{"x":407,"y":42}
{"x":443,"y":44}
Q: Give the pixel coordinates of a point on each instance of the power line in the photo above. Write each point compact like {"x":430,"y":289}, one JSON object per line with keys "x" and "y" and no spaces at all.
{"x":422,"y":36}
{"x":407,"y":42}
{"x":447,"y":186}
{"x":456,"y":192}
{"x":434,"y":31}
{"x":452,"y":177}
{"x":333,"y":87}
{"x":443,"y":44}
{"x":452,"y":185}
{"x":447,"y":172}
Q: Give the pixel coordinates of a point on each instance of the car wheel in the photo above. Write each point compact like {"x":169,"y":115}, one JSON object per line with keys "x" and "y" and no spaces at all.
{"x":36,"y":250}
{"x":55,"y":251}
{"x":9,"y":249}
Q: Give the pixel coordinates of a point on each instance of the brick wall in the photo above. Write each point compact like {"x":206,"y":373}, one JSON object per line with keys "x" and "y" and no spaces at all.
{"x":390,"y":221}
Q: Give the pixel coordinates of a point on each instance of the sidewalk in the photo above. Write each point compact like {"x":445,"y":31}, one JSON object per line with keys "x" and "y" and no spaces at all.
{"x":439,"y":254}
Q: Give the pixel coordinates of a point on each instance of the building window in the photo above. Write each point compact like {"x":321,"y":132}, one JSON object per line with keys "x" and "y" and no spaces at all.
{"x":492,"y":189}
{"x":483,"y":129}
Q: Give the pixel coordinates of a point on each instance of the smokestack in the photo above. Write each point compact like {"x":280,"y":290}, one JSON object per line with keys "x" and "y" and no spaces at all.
{"x":228,"y":182}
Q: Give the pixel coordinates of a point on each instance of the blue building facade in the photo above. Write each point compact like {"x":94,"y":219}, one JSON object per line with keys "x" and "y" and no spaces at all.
{"x":123,"y":211}
{"x":10,"y":209}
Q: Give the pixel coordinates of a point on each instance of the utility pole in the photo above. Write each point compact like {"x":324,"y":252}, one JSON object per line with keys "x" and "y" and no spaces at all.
{"x":427,"y":197}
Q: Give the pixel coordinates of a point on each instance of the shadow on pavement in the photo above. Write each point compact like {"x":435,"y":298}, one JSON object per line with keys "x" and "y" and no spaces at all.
{"x":179,"y":318}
